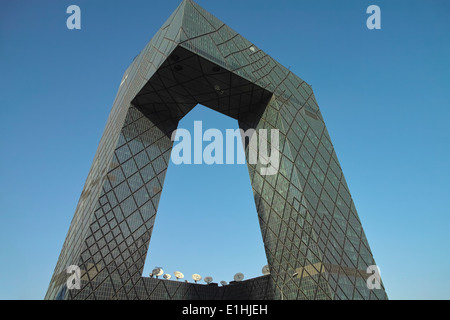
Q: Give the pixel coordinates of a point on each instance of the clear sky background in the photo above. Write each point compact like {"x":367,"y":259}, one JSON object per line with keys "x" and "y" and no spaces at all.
{"x":384,"y":95}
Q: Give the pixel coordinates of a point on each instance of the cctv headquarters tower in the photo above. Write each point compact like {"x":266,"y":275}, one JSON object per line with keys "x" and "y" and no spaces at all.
{"x":314,"y":242}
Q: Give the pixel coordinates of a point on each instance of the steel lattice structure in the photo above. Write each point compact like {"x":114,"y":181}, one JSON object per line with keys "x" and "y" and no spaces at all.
{"x":307,"y":217}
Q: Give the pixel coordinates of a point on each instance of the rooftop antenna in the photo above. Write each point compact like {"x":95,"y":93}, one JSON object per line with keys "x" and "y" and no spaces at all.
{"x":178,"y":275}
{"x":266,"y":270}
{"x":208,"y":280}
{"x":238,"y":277}
{"x":196,"y":277}
{"x":157,"y":272}
{"x":223,"y":283}
{"x":167,"y":276}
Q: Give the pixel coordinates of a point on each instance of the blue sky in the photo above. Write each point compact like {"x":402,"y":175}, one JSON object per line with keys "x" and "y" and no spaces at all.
{"x":384,"y":95}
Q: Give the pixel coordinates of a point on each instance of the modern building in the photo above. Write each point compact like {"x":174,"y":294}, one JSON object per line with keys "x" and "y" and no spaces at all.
{"x":314,"y":242}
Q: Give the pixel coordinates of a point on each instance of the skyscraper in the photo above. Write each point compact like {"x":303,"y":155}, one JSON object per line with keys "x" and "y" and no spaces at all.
{"x":313,"y":239}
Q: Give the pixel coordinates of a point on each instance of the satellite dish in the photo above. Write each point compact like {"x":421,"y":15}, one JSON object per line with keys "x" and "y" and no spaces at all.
{"x":167,"y":276}
{"x":238,"y":277}
{"x":224,"y":283}
{"x":178,"y":275}
{"x":208,"y":280}
{"x":157,"y":271}
{"x":265,"y":270}
{"x":196,"y":277}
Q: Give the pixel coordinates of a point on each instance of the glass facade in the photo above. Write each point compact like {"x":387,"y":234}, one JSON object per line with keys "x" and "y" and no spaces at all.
{"x":308,"y":220}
